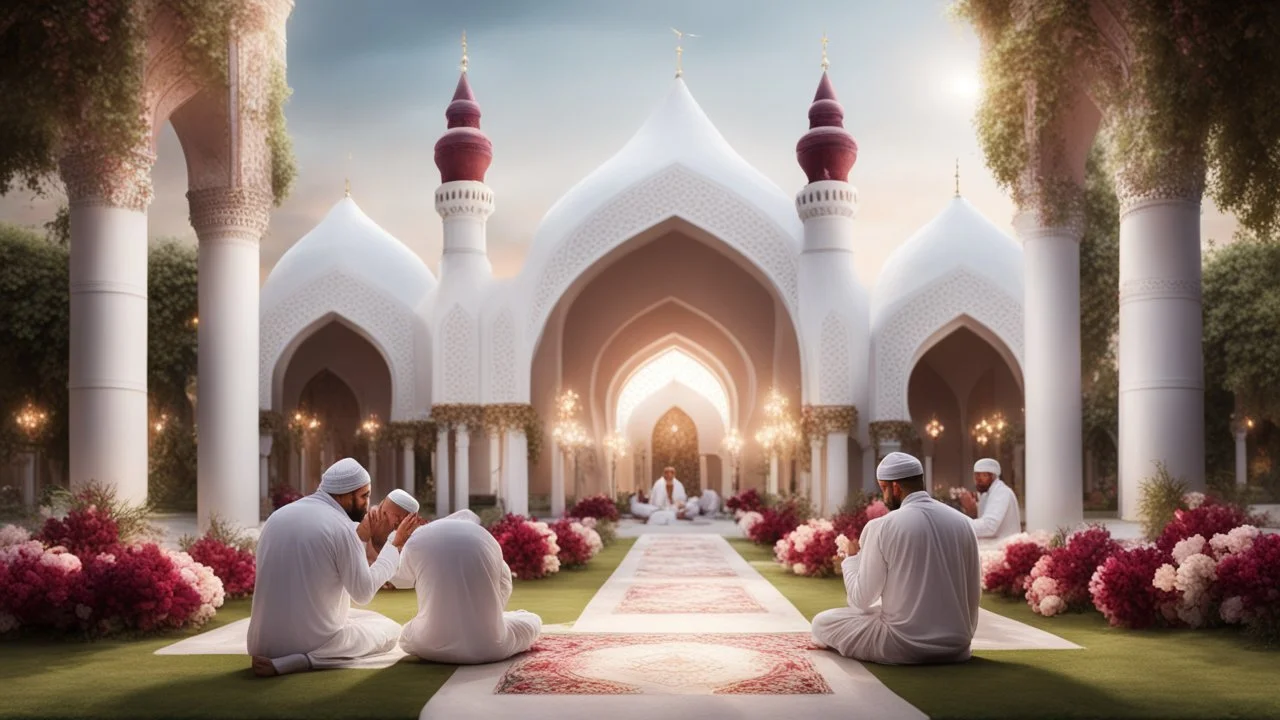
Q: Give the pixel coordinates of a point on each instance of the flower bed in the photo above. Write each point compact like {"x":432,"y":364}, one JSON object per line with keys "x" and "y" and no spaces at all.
{"x":98,"y":583}
{"x":282,"y":495}
{"x":810,"y":549}
{"x":578,"y":543}
{"x":1005,"y":571}
{"x":774,"y":522}
{"x":228,"y":553}
{"x":599,"y":507}
{"x":745,"y":502}
{"x":529,"y":547}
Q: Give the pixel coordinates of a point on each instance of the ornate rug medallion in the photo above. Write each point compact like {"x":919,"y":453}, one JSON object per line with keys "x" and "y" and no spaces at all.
{"x":666,"y":665}
{"x":685,"y":598}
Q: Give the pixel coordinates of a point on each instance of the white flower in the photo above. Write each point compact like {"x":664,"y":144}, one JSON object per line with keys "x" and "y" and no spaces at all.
{"x":1193,"y":500}
{"x":13,"y":535}
{"x":64,"y":561}
{"x":84,"y":612}
{"x":1232,"y":610}
{"x":798,"y":568}
{"x":1186,"y":548}
{"x":1166,"y":578}
{"x":748,"y":520}
{"x":1236,"y":541}
{"x":1051,"y":605}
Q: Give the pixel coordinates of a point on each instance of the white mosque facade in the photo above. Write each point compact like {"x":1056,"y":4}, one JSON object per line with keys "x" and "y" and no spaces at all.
{"x":675,"y":290}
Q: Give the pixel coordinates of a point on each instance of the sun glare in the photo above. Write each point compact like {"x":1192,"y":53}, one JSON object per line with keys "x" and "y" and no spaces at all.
{"x":966,"y":85}
{"x":673,"y":365}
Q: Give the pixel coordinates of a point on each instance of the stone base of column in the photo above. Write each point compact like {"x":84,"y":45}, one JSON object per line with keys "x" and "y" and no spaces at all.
{"x":517,"y":461}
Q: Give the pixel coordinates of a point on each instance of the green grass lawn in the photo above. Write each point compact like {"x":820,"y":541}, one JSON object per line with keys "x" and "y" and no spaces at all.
{"x":123,"y":678}
{"x":1119,"y":674}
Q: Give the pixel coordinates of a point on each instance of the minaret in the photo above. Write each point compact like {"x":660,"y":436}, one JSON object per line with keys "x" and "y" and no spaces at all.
{"x":465,"y":203}
{"x":828,"y":204}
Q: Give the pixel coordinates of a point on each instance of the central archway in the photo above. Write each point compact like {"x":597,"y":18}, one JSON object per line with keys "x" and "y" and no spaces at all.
{"x":675,"y":443}
{"x":670,"y":366}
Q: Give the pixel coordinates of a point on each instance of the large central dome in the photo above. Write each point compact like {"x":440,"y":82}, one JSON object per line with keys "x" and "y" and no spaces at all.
{"x":677,"y":132}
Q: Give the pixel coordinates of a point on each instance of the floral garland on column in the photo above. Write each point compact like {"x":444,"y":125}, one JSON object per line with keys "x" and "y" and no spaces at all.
{"x":422,"y":432}
{"x":903,"y":431}
{"x":270,"y":422}
{"x":817,"y":421}
{"x":501,"y":417}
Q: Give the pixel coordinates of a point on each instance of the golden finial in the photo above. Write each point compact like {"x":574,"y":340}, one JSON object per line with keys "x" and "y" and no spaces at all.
{"x":957,"y":177}
{"x":463,"y":66}
{"x":825,"y":62}
{"x":680,"y":50}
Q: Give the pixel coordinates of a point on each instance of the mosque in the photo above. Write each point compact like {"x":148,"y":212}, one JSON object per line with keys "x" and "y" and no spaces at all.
{"x":702,"y":316}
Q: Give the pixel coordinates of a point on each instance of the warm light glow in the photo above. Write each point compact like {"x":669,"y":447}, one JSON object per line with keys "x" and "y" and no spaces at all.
{"x":733,"y":443}
{"x":671,"y":366}
{"x":966,"y":85}
{"x":780,"y":431}
{"x":934,"y":428}
{"x":370,"y":427}
{"x":568,"y":432}
{"x":31,"y":419}
{"x":616,"y":443}
{"x":160,"y":423}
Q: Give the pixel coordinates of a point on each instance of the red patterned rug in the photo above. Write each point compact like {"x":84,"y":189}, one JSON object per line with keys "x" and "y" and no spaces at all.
{"x":684,"y":568}
{"x":683,"y":598}
{"x":590,"y":664}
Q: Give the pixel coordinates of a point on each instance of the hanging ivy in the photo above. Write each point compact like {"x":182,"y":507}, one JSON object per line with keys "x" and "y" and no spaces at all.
{"x":78,"y":67}
{"x":1200,"y":89}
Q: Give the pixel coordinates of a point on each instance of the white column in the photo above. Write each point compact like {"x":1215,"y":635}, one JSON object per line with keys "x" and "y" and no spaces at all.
{"x":107,"y":369}
{"x":928,"y":473}
{"x":462,"y":469}
{"x":1051,"y":258}
{"x":704,"y":481}
{"x":442,"y":471}
{"x":495,"y":462}
{"x":1242,"y":456}
{"x":373,"y":463}
{"x":408,"y":482}
{"x":726,"y":476}
{"x":773,"y":474}
{"x":302,"y":467}
{"x":560,"y":465}
{"x":265,"y":443}
{"x":517,"y":463}
{"x":229,"y":223}
{"x":817,"y":482}
{"x":837,"y":491}
{"x":1160,"y":356}
{"x":1020,"y":470}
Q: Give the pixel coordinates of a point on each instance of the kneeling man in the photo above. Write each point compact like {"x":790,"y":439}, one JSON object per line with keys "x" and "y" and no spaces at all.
{"x":311,"y":565}
{"x":913,"y":585}
{"x":996,"y":515}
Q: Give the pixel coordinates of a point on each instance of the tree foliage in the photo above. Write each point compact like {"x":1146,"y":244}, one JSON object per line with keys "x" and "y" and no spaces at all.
{"x":1241,"y":317}
{"x":1202,"y":82}
{"x":1099,"y":296}
{"x":172,"y":302}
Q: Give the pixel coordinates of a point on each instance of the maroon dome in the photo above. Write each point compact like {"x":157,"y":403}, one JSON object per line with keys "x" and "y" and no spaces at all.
{"x":463,"y":152}
{"x":827,"y":151}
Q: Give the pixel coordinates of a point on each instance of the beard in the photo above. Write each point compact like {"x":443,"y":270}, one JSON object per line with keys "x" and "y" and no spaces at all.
{"x":356,"y":513}
{"x":893,"y":503}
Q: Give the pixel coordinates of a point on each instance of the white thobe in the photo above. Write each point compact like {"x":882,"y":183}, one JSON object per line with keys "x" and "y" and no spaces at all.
{"x":709,"y":502}
{"x":641,"y":510}
{"x":311,"y":566}
{"x":679,"y":500}
{"x":912,"y":589}
{"x":404,"y":578}
{"x":463,"y":586}
{"x":998,"y":515}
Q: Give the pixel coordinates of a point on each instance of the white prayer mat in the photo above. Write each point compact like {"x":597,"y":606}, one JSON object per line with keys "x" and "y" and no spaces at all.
{"x":997,"y":632}
{"x":232,"y":639}
{"x":585,"y":677}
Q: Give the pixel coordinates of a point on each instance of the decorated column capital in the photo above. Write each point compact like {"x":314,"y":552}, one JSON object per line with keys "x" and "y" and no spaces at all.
{"x":97,"y":179}
{"x":1172,"y":181}
{"x":238,"y":214}
{"x":899,"y":433}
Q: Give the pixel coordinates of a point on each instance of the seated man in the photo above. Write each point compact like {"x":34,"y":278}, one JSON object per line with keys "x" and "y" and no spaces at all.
{"x":404,"y":578}
{"x":640,"y":507}
{"x":669,"y":494}
{"x":395,"y":505}
{"x":996,"y":513}
{"x":463,"y":588}
{"x":708,"y":502}
{"x":913,"y":587}
{"x":311,"y":566}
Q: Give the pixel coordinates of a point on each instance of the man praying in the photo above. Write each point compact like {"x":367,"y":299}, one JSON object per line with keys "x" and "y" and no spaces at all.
{"x":913,"y":584}
{"x":396,"y":505}
{"x":996,"y":513}
{"x":311,"y":565}
{"x":463,"y":587}
{"x":669,"y":494}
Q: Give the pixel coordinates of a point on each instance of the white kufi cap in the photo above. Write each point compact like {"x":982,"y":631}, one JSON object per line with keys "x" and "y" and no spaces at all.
{"x":987,"y":465}
{"x":897,"y":466}
{"x":404,"y":500}
{"x":343,"y":477}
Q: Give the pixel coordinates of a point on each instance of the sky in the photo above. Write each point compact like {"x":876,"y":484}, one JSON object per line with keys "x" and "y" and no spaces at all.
{"x":564,"y":83}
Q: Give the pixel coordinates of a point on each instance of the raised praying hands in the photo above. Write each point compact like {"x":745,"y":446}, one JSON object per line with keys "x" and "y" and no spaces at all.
{"x":380,"y":525}
{"x":969,"y":502}
{"x":410,"y":523}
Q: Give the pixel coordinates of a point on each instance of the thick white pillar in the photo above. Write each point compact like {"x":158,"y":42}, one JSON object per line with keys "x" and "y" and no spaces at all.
{"x":517,"y":464}
{"x":1242,"y":456}
{"x":817,"y":481}
{"x":264,"y":466}
{"x":772,"y":487}
{"x":408,"y":482}
{"x":1051,"y":258}
{"x":462,"y":468}
{"x":302,"y":467}
{"x":928,"y":473}
{"x":1160,"y":356}
{"x":560,"y":464}
{"x":837,"y":491}
{"x":442,"y":471}
{"x":229,"y":222}
{"x":107,"y":369}
{"x":495,"y":462}
{"x":704,"y":480}
{"x":373,"y":463}
{"x":726,"y":476}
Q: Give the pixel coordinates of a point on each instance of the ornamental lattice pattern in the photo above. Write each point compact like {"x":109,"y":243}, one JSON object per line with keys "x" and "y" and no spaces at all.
{"x":460,"y":358}
{"x":503,"y":362}
{"x":387,"y":325}
{"x":229,"y":213}
{"x":835,"y":363}
{"x":674,"y":192}
{"x":94,"y":179}
{"x":901,"y":335}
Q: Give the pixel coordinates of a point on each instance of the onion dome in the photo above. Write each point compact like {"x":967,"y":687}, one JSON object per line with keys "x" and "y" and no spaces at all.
{"x":463,"y":152}
{"x":827,"y":151}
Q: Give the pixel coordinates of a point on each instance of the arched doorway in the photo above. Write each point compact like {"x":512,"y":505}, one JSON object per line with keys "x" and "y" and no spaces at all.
{"x":962,"y":380}
{"x":675,"y":443}
{"x":341,"y":380}
{"x":672,"y":286}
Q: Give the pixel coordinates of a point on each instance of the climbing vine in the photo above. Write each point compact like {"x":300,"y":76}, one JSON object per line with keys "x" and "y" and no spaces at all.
{"x":78,"y":67}
{"x":1195,"y":85}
